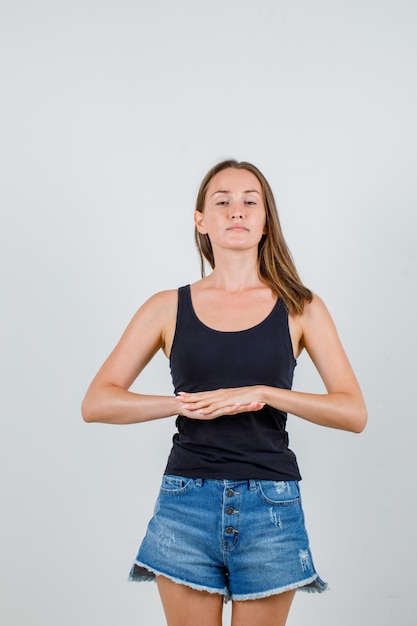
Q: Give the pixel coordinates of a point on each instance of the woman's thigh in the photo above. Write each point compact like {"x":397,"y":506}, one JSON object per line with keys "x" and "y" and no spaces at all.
{"x":184,"y":606}
{"x":270,"y":611}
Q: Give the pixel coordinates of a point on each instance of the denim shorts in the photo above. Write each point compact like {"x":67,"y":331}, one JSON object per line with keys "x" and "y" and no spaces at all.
{"x":242,"y":539}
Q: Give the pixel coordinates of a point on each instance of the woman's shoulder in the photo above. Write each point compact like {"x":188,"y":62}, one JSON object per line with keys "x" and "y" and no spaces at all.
{"x":316,"y":323}
{"x":314,"y":315}
{"x":156,"y":316}
{"x":314,"y":307}
{"x":311,"y":307}
{"x":316,"y":310}
{"x":161,"y":312}
{"x":161,"y":301}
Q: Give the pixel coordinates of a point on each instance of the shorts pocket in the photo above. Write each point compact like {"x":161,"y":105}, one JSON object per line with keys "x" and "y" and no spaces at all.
{"x":279,"y":493}
{"x":175,"y":485}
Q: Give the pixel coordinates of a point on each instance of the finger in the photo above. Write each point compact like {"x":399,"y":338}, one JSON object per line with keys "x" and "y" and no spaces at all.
{"x":197,"y":403}
{"x":191,"y":399}
{"x":197,"y":396}
{"x":232,"y":409}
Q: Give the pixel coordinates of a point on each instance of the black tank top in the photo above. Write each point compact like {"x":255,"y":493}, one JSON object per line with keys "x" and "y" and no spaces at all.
{"x":246,"y":445}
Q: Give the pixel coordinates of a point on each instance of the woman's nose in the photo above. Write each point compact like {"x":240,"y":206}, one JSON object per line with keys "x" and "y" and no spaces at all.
{"x":236,"y":211}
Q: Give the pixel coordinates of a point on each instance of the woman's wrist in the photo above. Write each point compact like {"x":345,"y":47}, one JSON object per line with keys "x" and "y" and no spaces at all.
{"x":262,"y":393}
{"x":267,"y":394}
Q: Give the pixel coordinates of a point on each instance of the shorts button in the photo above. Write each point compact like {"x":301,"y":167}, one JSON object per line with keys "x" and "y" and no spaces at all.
{"x":230,"y":493}
{"x":229,"y":530}
{"x":230,"y":510}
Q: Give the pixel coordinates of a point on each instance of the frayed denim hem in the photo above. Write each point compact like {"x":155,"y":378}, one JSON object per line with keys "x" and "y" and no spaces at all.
{"x":140,"y":574}
{"x":144,"y":573}
{"x":316,"y":586}
{"x":311,"y":585}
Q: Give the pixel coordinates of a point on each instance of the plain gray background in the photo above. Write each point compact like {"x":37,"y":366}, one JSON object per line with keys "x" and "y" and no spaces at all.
{"x":111,"y":113}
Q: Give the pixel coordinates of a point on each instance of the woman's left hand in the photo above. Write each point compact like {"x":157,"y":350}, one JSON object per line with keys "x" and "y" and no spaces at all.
{"x":211,"y":404}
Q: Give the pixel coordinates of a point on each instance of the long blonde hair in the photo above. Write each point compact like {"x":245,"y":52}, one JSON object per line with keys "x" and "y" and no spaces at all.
{"x":276,"y":267}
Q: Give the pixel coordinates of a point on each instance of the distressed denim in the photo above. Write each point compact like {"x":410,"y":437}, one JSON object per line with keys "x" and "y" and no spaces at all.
{"x":242,"y":539}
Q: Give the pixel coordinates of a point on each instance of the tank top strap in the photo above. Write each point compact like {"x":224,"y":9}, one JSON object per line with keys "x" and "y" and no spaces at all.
{"x":185,"y":308}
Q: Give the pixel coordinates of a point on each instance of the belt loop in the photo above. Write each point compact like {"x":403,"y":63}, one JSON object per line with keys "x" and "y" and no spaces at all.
{"x":199,"y":482}
{"x":252,"y":485}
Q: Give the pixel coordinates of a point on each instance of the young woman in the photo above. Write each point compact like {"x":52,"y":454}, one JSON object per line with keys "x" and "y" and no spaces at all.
{"x":228,"y":523}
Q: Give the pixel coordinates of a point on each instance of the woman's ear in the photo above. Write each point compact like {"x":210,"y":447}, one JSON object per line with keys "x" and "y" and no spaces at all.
{"x":199,"y":222}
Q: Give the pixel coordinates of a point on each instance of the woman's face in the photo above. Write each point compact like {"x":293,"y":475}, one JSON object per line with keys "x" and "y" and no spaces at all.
{"x":234,"y":213}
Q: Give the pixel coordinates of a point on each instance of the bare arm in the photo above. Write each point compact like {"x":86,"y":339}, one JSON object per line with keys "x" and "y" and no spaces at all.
{"x":108,"y":398}
{"x":341,"y":407}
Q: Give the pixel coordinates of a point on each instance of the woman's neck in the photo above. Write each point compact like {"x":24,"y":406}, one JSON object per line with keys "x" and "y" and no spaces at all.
{"x":234,"y":273}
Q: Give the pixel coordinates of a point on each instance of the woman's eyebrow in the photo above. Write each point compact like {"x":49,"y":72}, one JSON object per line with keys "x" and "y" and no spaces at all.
{"x":228,"y":191}
{"x":220,"y":191}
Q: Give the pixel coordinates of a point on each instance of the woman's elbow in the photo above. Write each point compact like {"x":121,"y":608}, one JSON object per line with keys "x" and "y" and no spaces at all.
{"x":359,"y":420}
{"x":88,"y":412}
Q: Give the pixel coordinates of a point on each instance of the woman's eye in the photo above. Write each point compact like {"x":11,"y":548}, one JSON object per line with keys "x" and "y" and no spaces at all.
{"x":221,"y":202}
{"x":251,"y":202}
